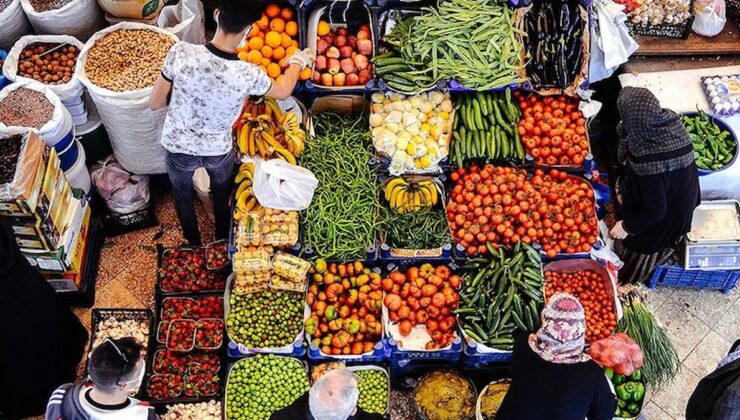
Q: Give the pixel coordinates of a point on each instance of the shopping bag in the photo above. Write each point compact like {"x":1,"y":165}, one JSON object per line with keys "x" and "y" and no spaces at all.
{"x":611,"y":43}
{"x":186,"y":20}
{"x":709,"y":17}
{"x":280,"y":185}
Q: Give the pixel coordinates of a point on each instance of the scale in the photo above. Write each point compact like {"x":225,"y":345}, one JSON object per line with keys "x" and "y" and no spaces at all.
{"x":714,"y":240}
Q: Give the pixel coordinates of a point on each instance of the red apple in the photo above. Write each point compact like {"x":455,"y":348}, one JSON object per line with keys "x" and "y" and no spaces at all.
{"x":329,"y":38}
{"x":326,"y":79}
{"x":321,"y":46}
{"x":339,"y":79}
{"x":348,"y":66}
{"x":365,"y":76}
{"x":333,"y":66}
{"x":346,"y":51}
{"x":352,"y":41}
{"x":333,"y":52}
{"x":361,"y":62}
{"x":364,"y":27}
{"x":342,"y":31}
{"x":352,"y":79}
{"x":364,"y":46}
{"x":340,"y":41}
{"x":320,"y":63}
{"x":316,"y":77}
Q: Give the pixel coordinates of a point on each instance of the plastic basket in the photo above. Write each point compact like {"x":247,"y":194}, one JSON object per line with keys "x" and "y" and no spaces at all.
{"x":671,"y":275}
{"x":680,"y":31}
{"x":119,"y":224}
{"x":724,"y":127}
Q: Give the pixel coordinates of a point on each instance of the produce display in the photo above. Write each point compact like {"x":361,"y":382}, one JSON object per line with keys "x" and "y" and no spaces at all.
{"x":414,"y":131}
{"x":186,"y":270}
{"x":630,"y":392}
{"x":114,"y":328}
{"x":210,"y":410}
{"x":503,"y":205}
{"x":192,"y":308}
{"x":46,"y":5}
{"x":345,"y":301}
{"x":52,"y":68}
{"x":291,"y":269}
{"x":418,"y":230}
{"x":714,"y":147}
{"x":246,"y":202}
{"x":272,"y":39}
{"x":485,"y":128}
{"x":342,"y":57}
{"x":251,"y":271}
{"x":340,"y":222}
{"x":402,"y":405}
{"x":553,"y":130}
{"x":423,"y":299}
{"x":723,"y":93}
{"x":201,"y":385}
{"x":10,"y":149}
{"x":445,"y":395}
{"x":177,"y":374}
{"x":501,"y":295}
{"x":127,"y":59}
{"x":209,"y":334}
{"x":265,"y":319}
{"x":319,"y":370}
{"x":265,"y":130}
{"x":373,"y":386}
{"x":260,"y":385}
{"x":591,"y":290}
{"x":553,"y":43}
{"x":617,"y":352}
{"x":491,"y":398}
{"x":25,"y":108}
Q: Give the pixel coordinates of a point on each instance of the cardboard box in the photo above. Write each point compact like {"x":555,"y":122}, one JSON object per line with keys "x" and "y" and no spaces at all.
{"x":33,"y":160}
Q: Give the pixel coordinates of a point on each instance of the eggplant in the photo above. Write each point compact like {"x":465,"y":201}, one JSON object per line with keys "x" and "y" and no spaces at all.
{"x":561,"y":69}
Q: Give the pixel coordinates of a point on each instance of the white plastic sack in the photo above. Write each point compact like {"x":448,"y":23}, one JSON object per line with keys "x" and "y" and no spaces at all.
{"x":186,"y":20}
{"x":134,"y":130}
{"x":67,"y":91}
{"x":78,"y":18}
{"x":122,"y":192}
{"x":13,"y":24}
{"x":710,"y":17}
{"x":280,"y":185}
{"x":60,"y":124}
{"x":202,"y":187}
{"x":611,"y":43}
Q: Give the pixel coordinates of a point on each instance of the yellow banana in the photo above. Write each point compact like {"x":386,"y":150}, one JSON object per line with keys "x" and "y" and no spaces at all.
{"x":252,"y":143}
{"x":251,"y":205}
{"x":243,"y":176}
{"x":391,"y":184}
{"x":285,"y":155}
{"x":272,"y":105}
{"x":241,"y":201}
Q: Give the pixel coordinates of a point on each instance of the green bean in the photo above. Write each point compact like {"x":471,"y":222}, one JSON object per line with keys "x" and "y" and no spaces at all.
{"x":424,"y":229}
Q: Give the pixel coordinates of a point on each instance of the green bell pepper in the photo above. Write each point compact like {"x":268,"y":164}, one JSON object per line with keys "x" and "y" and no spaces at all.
{"x":618,"y":379}
{"x":636,"y":375}
{"x":633,"y":409}
{"x":624,"y":393}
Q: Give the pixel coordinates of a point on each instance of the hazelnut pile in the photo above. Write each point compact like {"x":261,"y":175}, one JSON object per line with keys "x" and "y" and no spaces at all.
{"x":54,"y":68}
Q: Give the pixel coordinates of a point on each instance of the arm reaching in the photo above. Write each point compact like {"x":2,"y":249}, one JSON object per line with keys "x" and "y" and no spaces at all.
{"x":298,"y":61}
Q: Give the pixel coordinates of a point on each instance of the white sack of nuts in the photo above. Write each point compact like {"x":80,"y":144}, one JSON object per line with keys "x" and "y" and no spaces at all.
{"x":77,"y":18}
{"x":14,"y":24}
{"x":60,"y":123}
{"x":66,"y":91}
{"x":119,"y":66}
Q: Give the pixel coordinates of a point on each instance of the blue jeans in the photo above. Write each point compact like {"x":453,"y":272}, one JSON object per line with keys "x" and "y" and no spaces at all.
{"x":180,"y":168}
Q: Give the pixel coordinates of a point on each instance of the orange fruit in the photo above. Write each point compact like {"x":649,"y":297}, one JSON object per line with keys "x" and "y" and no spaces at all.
{"x":294,"y":44}
{"x":272,"y":10}
{"x":305,"y":74}
{"x":323,"y":28}
{"x":290,"y":50}
{"x":261,"y":35}
{"x":254,"y":57}
{"x":263,"y":68}
{"x":242,"y":55}
{"x":273,"y":39}
{"x":291,"y":28}
{"x":287,"y":13}
{"x":278,"y":53}
{"x":263,"y":23}
{"x":285,"y":40}
{"x":273,"y":70}
{"x":255,"y":43}
{"x":254,"y":31}
{"x":266,"y":61}
{"x":266,"y":51}
{"x":277,"y":25}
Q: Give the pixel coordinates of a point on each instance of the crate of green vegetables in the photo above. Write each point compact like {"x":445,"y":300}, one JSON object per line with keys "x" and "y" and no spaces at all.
{"x":715,"y":146}
{"x":412,"y":223}
{"x":630,"y":392}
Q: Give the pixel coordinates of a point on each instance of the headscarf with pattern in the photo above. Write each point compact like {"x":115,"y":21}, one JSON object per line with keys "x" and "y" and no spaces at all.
{"x":561,"y":337}
{"x":653,"y":140}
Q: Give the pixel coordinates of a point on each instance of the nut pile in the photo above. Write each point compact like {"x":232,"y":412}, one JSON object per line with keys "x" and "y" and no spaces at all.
{"x":127,"y":59}
{"x":54,"y":68}
{"x":46,"y":5}
{"x":113,"y":328}
{"x":210,"y":410}
{"x":10,"y":148}
{"x":25,"y":108}
{"x":658,"y":12}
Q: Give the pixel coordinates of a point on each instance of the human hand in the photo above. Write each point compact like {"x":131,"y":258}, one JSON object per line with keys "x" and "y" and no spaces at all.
{"x":302,"y":58}
{"x":618,"y":231}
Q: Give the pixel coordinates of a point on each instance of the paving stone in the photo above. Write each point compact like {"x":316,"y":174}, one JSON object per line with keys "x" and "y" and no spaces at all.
{"x":652,"y":411}
{"x":684,"y":329}
{"x":707,"y":305}
{"x":729,"y":324}
{"x":704,"y":358}
{"x":673,"y":397}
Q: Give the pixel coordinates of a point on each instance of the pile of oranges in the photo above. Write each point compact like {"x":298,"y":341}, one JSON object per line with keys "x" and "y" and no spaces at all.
{"x":272,"y":39}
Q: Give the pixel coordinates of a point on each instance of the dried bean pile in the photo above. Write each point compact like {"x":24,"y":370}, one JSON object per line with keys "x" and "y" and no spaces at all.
{"x":53,"y":68}
{"x":46,"y":5}
{"x":402,"y":405}
{"x":10,"y":148}
{"x":127,"y":59}
{"x":25,"y":108}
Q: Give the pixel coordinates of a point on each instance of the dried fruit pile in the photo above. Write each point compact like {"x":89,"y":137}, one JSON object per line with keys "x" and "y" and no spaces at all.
{"x":53,"y":68}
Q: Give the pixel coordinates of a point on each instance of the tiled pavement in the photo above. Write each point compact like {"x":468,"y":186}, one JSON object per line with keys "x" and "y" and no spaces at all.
{"x":702,"y":324}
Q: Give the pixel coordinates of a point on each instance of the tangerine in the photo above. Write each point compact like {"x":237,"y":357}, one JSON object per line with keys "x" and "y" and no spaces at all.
{"x":266,"y":61}
{"x":323,"y":28}
{"x":273,"y":39}
{"x":266,"y":51}
{"x":255,"y":43}
{"x":254,"y":57}
{"x":278,"y":53}
{"x":291,"y":28}
{"x":285,"y":40}
{"x":287,"y":13}
{"x":277,"y":25}
{"x":263,"y":23}
{"x":243,"y":55}
{"x":272,"y":10}
{"x":253,"y":31}
{"x":305,"y":74}
{"x":273,"y":70}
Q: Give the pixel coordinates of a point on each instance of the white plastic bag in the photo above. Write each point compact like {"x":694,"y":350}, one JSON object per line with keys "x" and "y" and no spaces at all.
{"x":60,"y":124}
{"x":66,"y":91}
{"x":13,"y":24}
{"x":611,"y":43}
{"x":202,"y":187}
{"x":710,"y":17}
{"x":134,"y":130}
{"x":78,"y":18}
{"x":280,"y":185}
{"x":186,"y":20}
{"x":122,"y":192}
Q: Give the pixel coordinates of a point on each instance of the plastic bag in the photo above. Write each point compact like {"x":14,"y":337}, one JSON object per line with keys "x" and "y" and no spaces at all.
{"x":186,"y":20}
{"x":280,"y":185}
{"x":123,"y":193}
{"x":611,"y":43}
{"x":710,"y":17}
{"x":14,"y":24}
{"x":618,"y":352}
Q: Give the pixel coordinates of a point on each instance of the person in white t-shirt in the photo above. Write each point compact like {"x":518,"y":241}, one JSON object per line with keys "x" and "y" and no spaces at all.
{"x":205,"y":87}
{"x":116,"y":369}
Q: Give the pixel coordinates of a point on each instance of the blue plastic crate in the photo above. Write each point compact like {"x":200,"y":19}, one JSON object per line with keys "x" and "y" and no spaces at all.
{"x":401,"y":359}
{"x":3,"y":80}
{"x":299,"y":350}
{"x":472,"y":358}
{"x":380,"y":353}
{"x":671,"y":275}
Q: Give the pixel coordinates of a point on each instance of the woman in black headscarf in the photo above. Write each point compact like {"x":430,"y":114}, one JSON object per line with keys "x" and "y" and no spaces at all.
{"x":42,"y":340}
{"x":660,"y":189}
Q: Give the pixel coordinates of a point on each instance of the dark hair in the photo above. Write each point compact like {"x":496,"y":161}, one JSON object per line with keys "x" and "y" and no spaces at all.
{"x":108,"y":368}
{"x":236,"y":15}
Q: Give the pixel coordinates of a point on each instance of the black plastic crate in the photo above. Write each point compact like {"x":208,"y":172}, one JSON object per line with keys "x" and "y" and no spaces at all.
{"x":120,"y":224}
{"x":680,"y":31}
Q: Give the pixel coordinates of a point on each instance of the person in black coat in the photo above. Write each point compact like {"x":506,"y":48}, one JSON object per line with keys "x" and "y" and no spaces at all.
{"x":332,"y":397}
{"x":42,"y":342}
{"x":660,"y":188}
{"x":717,"y":396}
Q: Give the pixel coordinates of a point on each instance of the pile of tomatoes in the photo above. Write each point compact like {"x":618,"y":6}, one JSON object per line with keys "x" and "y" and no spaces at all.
{"x":502,"y":205}
{"x":424,"y":296}
{"x":590,"y":289}
{"x":553,"y":130}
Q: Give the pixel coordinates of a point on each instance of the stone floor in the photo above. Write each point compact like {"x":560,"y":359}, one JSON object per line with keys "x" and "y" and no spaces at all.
{"x":703,"y":324}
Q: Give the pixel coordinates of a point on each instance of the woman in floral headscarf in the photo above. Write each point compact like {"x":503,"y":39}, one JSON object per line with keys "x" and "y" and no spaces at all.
{"x":552,"y":377}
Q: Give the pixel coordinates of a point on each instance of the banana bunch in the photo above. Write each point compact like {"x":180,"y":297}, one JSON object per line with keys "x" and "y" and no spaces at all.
{"x":294,"y":134}
{"x":245,"y":200}
{"x":265,"y":130}
{"x":404,"y":196}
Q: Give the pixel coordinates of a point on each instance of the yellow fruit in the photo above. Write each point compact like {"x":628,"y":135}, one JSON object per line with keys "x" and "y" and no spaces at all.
{"x":265,"y":61}
{"x":273,"y":70}
{"x":285,"y":40}
{"x":323,"y":28}
{"x":277,"y":25}
{"x":291,"y":28}
{"x":243,"y":55}
{"x":253,"y":32}
{"x":263,"y":22}
{"x":278,"y":53}
{"x":266,"y":51}
{"x":305,"y":73}
{"x":273,"y":39}
{"x":255,"y":43}
{"x":254,"y":57}
{"x":287,"y":13}
{"x":272,"y":10}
